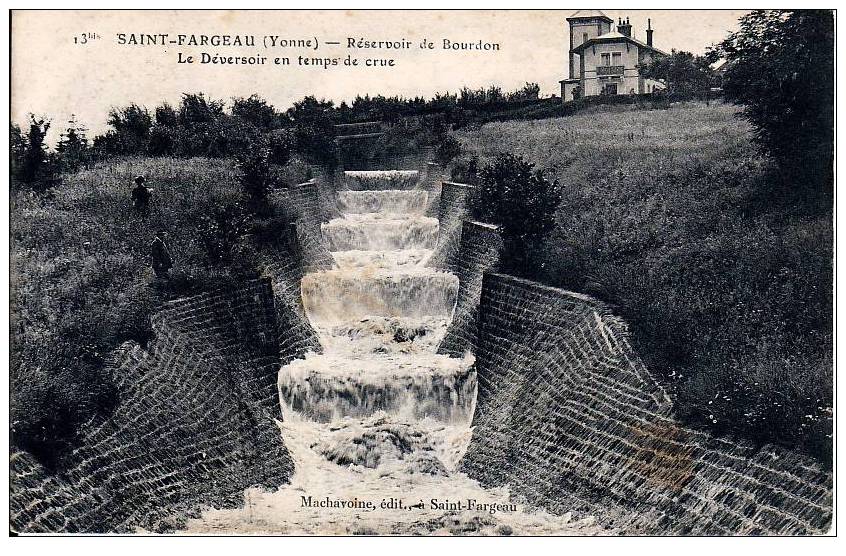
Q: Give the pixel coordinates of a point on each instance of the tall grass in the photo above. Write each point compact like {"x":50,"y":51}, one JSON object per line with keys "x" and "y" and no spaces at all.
{"x":82,"y":282}
{"x":723,"y":272}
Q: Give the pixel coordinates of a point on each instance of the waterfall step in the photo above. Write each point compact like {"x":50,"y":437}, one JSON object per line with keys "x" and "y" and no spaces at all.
{"x":381,"y":259}
{"x":376,"y":231}
{"x":392,"y":201}
{"x":374,"y":335}
{"x":380,"y":179}
{"x":336,"y":296}
{"x":330,"y":387}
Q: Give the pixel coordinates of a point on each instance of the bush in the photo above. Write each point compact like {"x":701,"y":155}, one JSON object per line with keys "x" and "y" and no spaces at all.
{"x":130,"y":130}
{"x":448,"y":148}
{"x":29,"y":158}
{"x":256,"y":111}
{"x":253,"y":163}
{"x":281,"y":143}
{"x":162,"y":141}
{"x":523,"y":202}
{"x":314,"y":129}
{"x":465,"y":170}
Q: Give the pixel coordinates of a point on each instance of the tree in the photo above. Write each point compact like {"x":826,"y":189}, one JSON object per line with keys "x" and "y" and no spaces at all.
{"x":72,"y":147}
{"x":523,"y":202}
{"x":197,"y":109}
{"x":166,"y":116}
{"x":314,"y":128}
{"x":780,"y":68}
{"x":683,"y":72}
{"x":255,"y":110}
{"x":130,"y":128}
{"x":17,"y":150}
{"x":31,"y":152}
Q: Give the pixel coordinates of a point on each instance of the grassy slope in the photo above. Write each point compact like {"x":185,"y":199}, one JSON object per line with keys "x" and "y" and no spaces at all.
{"x":82,"y":282}
{"x":672,"y":216}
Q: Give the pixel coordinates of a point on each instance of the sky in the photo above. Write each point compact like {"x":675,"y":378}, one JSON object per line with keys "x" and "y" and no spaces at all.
{"x":53,"y":76}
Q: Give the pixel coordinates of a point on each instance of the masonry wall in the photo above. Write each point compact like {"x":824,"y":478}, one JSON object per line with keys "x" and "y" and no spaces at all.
{"x":568,"y":416}
{"x":194,"y":426}
{"x":478,"y":252}
{"x":305,"y":198}
{"x":452,"y":211}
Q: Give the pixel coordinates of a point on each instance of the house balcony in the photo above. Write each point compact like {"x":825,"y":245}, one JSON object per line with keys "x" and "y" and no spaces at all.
{"x":609,"y":71}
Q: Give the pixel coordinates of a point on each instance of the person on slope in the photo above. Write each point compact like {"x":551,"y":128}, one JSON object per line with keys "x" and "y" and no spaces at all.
{"x":141,"y":196}
{"x":160,"y":255}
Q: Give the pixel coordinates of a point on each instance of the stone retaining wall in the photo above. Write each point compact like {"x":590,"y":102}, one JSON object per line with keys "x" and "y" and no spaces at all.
{"x":194,"y":426}
{"x":478,"y":252}
{"x":453,"y":199}
{"x":305,"y":198}
{"x":568,"y":416}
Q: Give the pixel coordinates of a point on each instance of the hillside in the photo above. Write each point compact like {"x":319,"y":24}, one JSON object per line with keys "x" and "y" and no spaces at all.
{"x":725,"y":275}
{"x":82,"y":282}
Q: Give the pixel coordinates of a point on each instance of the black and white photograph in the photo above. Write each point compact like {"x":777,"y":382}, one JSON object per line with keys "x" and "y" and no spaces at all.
{"x":421,"y":272}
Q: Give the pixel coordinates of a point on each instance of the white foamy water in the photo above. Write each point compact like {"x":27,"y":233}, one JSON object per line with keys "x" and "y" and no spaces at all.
{"x":380,"y":232}
{"x":377,"y":424}
{"x":340,"y":295}
{"x":381,"y":259}
{"x":413,"y":201}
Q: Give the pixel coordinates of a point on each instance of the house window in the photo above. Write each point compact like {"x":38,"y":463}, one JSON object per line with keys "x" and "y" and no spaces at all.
{"x":606,"y":59}
{"x":584,"y":38}
{"x":617,"y":59}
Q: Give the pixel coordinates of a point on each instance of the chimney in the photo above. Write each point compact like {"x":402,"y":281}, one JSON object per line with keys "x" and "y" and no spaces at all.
{"x":649,"y":32}
{"x":624,"y":27}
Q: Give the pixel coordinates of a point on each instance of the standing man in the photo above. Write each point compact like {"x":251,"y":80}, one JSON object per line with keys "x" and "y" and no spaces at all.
{"x":141,"y":196}
{"x":160,"y":255}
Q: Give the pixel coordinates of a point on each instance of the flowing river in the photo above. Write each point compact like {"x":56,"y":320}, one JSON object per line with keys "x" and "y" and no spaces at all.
{"x":377,"y":424}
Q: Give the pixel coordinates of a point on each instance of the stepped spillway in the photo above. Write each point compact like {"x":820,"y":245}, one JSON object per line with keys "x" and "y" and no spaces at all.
{"x":379,"y":420}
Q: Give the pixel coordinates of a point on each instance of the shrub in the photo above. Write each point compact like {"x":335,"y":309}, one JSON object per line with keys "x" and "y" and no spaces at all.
{"x":465,"y":170}
{"x":255,"y":110}
{"x":221,"y":231}
{"x":523,"y":202}
{"x":281,"y":143}
{"x":162,"y":141}
{"x":314,"y":129}
{"x":448,"y":148}
{"x":253,"y":163}
{"x":72,"y":148}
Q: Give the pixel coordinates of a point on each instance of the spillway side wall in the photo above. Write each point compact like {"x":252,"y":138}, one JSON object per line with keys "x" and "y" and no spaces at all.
{"x":570,"y":418}
{"x":193,"y":426}
{"x":478,"y":252}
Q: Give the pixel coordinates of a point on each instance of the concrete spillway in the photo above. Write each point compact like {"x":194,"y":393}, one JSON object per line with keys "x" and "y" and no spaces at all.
{"x":379,"y":416}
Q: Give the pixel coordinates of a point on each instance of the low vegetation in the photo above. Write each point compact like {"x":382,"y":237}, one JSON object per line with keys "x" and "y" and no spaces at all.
{"x":675,"y":218}
{"x":82,"y":282}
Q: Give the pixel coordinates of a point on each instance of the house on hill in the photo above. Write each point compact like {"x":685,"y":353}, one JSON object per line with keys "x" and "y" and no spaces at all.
{"x":605,"y":61}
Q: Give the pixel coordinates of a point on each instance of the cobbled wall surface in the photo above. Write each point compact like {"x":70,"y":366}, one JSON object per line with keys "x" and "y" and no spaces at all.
{"x":453,"y":199}
{"x":305,"y":198}
{"x":285,"y":268}
{"x":478,"y":252}
{"x":570,"y":418}
{"x":194,"y":426}
{"x":432,"y":179}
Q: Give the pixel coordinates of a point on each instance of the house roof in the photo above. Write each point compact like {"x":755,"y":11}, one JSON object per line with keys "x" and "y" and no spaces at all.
{"x":590,"y":14}
{"x":612,"y":37}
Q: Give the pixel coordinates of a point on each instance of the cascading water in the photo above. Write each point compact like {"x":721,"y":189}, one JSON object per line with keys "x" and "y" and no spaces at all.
{"x":377,"y":424}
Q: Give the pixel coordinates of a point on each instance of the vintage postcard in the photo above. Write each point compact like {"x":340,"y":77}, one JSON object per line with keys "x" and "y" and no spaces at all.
{"x":422,"y":272}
